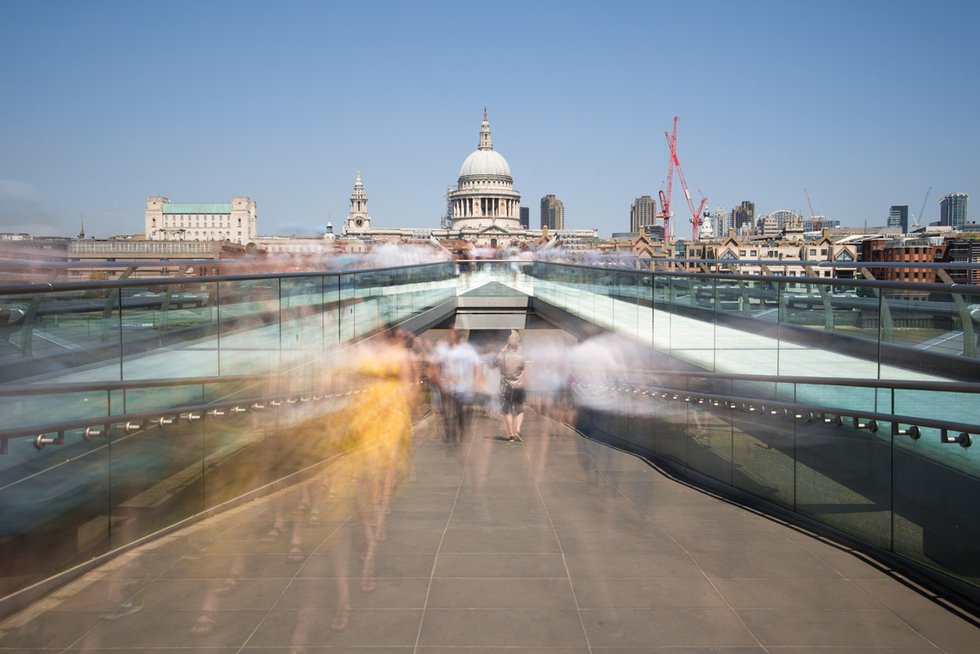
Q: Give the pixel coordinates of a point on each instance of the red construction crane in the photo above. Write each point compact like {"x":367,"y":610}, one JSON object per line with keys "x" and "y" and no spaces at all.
{"x":665,"y":213}
{"x":676,"y":163}
{"x":813,"y":217}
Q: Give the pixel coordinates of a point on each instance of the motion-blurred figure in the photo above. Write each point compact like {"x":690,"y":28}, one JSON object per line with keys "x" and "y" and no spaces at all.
{"x":460,"y":374}
{"x":511,"y":362}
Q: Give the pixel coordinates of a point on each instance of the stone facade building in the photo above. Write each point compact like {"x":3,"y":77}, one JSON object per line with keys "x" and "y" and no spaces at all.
{"x":234,"y":222}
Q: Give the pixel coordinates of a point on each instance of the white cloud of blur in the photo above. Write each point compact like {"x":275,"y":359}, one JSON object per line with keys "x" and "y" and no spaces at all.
{"x":298,"y":229}
{"x":602,"y":363}
{"x":389,"y":255}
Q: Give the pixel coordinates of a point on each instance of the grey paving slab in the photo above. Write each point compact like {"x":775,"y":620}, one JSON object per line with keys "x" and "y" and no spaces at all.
{"x":502,"y":650}
{"x":744,"y":562}
{"x":931,"y":619}
{"x":498,"y":548}
{"x":488,"y":593}
{"x":174,"y":629}
{"x":493,"y":564}
{"x":657,"y":649}
{"x":677,"y":627}
{"x":665,"y":563}
{"x":869,"y":627}
{"x":512,"y":539}
{"x":502,"y":628}
{"x":390,"y":593}
{"x":312,"y":627}
{"x":684,"y":593}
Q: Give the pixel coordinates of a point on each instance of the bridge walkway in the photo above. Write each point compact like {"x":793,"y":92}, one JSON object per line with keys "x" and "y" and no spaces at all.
{"x":556,"y":545}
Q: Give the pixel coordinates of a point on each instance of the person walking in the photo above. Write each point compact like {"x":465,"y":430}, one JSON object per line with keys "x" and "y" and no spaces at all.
{"x":511,"y":362}
{"x":461,"y":373}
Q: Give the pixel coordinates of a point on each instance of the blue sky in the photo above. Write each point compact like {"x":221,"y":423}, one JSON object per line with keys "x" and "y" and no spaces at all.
{"x":864,"y":103}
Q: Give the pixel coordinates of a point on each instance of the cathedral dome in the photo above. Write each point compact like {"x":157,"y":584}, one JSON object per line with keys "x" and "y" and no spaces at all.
{"x":484,"y":162}
{"x":485,"y":197}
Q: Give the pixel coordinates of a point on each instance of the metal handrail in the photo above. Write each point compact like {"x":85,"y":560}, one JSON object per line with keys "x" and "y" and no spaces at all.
{"x":689,"y":395}
{"x":800,"y":281}
{"x":136,"y":384}
{"x":40,"y":287}
{"x":121,"y":420}
{"x":900,"y":384}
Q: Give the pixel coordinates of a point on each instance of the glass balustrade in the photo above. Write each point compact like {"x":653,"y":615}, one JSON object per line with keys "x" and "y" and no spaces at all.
{"x":846,"y":401}
{"x":131,"y":406}
{"x":886,"y":350}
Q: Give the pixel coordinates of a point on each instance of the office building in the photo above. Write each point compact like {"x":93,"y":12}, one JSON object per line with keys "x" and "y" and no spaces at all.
{"x":743,"y":217}
{"x":643,"y":213}
{"x":167,"y":221}
{"x":898,"y":216}
{"x":952,"y":209}
{"x":552,"y":213}
{"x":526,"y":217}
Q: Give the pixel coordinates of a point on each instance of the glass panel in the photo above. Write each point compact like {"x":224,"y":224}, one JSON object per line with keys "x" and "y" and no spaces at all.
{"x":168,"y":330}
{"x":929,"y":333}
{"x":157,"y":476}
{"x":661,"y":312}
{"x":936,"y":521}
{"x":54,"y":507}
{"x":60,"y":332}
{"x":843,"y":477}
{"x":333,"y":311}
{"x":763,"y":451}
{"x":236,"y":454}
{"x":838,"y":398}
{"x":348,"y":308}
{"x":642,"y":421}
{"x":302,"y":319}
{"x":711,"y":439}
{"x":691,"y":329}
{"x":248,"y":338}
{"x":670,"y":427}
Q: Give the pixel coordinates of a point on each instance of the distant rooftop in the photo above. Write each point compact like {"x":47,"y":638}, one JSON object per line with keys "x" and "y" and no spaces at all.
{"x":171,"y":208}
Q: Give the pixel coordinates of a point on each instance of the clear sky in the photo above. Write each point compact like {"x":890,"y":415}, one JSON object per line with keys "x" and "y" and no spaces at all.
{"x":864,"y":103}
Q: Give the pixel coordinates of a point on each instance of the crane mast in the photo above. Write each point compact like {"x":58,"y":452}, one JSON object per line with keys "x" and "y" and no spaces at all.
{"x":916,"y":219}
{"x":665,"y":213}
{"x":695,"y":213}
{"x":813,"y":217}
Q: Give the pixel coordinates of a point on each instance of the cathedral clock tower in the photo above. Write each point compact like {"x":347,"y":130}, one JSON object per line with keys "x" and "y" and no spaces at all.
{"x":358,"y":220}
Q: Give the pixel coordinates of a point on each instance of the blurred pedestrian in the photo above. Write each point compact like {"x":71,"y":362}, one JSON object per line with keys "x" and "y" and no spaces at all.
{"x":511,"y":362}
{"x":460,"y":374}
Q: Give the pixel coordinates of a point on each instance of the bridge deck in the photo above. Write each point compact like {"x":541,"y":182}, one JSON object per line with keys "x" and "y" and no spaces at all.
{"x":554,"y":545}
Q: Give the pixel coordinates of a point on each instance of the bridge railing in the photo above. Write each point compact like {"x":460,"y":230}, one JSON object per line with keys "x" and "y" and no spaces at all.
{"x":875,"y":461}
{"x":887,"y":329}
{"x":130,"y":405}
{"x":232,"y":324}
{"x":850,"y":403}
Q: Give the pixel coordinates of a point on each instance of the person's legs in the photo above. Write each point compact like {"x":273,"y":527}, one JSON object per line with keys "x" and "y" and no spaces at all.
{"x":507,"y":409}
{"x":518,"y":421}
{"x":450,"y":409}
{"x":462,"y":407}
{"x":518,"y":409}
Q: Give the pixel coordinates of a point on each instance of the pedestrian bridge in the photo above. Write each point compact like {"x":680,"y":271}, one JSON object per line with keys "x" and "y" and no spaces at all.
{"x":748,"y":463}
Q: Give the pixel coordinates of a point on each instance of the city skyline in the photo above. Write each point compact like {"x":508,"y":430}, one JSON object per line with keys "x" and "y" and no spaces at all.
{"x":110,"y":103}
